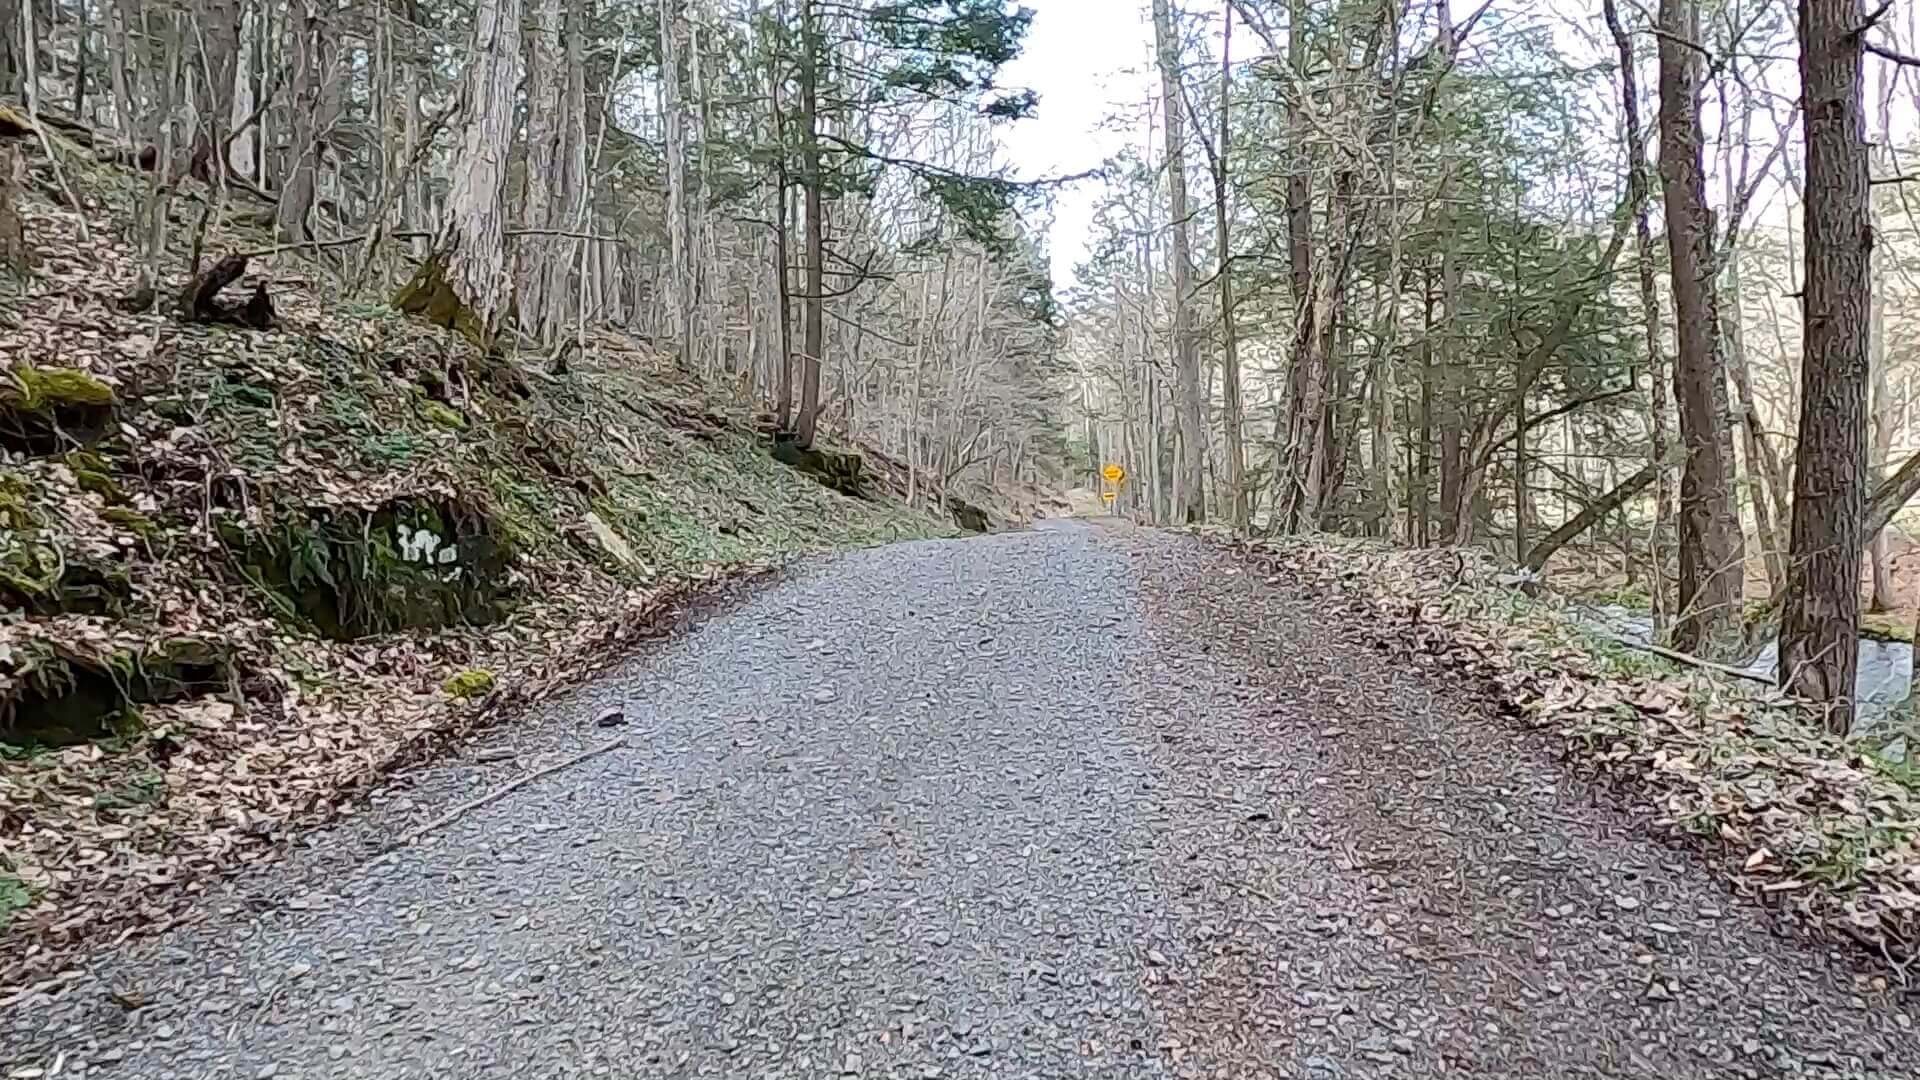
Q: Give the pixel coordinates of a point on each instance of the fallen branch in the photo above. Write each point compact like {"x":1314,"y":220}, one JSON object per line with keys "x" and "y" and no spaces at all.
{"x":1688,"y":658}
{"x":502,"y":792}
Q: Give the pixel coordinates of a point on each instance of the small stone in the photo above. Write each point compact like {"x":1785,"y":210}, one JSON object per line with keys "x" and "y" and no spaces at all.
{"x":824,"y":695}
{"x":611,"y":717}
{"x":1657,"y":991}
{"x":852,"y":1067}
{"x":267,"y":1072}
{"x":336,"y":1052}
{"x":728,"y":998}
{"x":941,"y":938}
{"x":1626,"y":903}
{"x":1156,"y":958}
{"x":495,"y":754}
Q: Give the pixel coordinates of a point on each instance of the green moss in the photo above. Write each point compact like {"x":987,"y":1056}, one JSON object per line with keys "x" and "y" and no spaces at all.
{"x":65,"y":698}
{"x":46,"y":410}
{"x":143,"y":789}
{"x":472,"y":683}
{"x":429,"y":296}
{"x":92,"y":474}
{"x":41,"y":389}
{"x":352,"y":574}
{"x":16,"y":508}
{"x":15,"y":897}
{"x":131,"y":520}
{"x":1885,"y":626}
{"x":441,"y":415}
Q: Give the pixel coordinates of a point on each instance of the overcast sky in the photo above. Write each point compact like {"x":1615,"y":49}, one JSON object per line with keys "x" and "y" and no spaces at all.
{"x":1086,"y":59}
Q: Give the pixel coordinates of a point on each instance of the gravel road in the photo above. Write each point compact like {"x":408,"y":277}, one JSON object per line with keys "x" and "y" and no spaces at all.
{"x":1080,"y":801}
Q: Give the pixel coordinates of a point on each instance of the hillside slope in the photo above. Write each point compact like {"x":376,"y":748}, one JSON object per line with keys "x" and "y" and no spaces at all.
{"x":244,"y":572}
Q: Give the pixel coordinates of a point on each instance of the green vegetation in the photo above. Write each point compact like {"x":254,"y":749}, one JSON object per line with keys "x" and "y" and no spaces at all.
{"x":468,"y":684}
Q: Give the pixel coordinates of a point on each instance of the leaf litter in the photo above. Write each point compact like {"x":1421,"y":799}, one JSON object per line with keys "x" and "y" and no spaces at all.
{"x":1799,"y":820}
{"x":621,"y":488}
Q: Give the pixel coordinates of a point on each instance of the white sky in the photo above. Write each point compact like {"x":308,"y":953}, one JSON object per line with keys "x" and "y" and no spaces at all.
{"x":1087,"y":59}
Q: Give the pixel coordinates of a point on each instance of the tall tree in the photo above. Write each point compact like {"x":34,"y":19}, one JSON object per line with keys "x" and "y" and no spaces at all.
{"x":1819,"y":643}
{"x":1235,"y":419}
{"x":1189,"y":496}
{"x":1712,"y":573}
{"x":1640,"y":187}
{"x":556,"y":180}
{"x":464,"y":282}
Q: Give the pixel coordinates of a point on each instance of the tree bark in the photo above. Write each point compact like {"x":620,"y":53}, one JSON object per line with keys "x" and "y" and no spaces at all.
{"x":1819,"y":643}
{"x":1766,"y":524}
{"x":813,"y":343}
{"x":1640,"y":186}
{"x":1711,"y":571}
{"x":556,"y":168}
{"x":13,"y":232}
{"x":1881,"y":597}
{"x":1190,"y":502}
{"x":463,"y":284}
{"x":1230,"y":345}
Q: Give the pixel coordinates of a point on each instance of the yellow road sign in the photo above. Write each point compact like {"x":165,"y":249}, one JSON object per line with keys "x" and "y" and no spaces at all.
{"x":1106,"y":496}
{"x":1114,"y":474}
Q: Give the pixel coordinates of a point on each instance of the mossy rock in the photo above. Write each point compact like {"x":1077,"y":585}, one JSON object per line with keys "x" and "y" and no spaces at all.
{"x":410,"y":565}
{"x":968,"y":516}
{"x":65,"y":698}
{"x":472,"y":683}
{"x":47,"y":410}
{"x":843,"y":472}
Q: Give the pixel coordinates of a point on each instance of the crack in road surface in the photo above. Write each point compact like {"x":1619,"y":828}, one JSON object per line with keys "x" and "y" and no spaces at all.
{"x":1074,"y":802}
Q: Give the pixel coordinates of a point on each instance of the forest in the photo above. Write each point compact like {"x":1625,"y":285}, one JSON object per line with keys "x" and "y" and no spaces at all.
{"x":1613,"y":292}
{"x":1612,"y":289}
{"x":798,"y":198}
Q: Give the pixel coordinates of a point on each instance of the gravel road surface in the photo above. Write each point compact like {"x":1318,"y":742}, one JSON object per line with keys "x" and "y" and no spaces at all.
{"x":1080,"y":801}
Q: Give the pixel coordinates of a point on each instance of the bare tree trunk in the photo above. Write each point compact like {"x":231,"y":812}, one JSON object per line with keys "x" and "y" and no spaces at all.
{"x":673,"y":119}
{"x":1188,"y":491}
{"x":814,"y":340}
{"x":1772,"y":545}
{"x":1230,"y":365}
{"x":464,"y":283}
{"x":782,"y":221}
{"x":313,"y":49}
{"x":1819,"y":643}
{"x":1882,"y":596}
{"x":1711,"y":571}
{"x":556,"y":168}
{"x":1639,"y":178}
{"x":13,"y":233}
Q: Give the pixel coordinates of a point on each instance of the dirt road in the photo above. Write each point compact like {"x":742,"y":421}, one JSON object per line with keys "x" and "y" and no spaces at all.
{"x":1078,"y":801}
